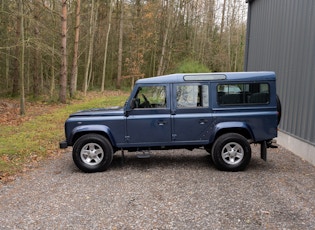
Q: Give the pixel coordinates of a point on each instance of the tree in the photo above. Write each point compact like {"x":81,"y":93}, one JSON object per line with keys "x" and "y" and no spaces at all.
{"x":222,"y":19}
{"x":37,"y":54}
{"x":16,"y":64}
{"x":120,"y":48}
{"x":22,"y":92}
{"x":106,"y":44}
{"x":74,"y":73}
{"x":114,"y":38}
{"x":165,"y":37}
{"x":63,"y":71}
{"x":92,"y":28}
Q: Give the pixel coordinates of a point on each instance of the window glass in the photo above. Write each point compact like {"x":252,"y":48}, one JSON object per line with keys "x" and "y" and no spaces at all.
{"x":252,"y":93}
{"x":192,"y":96}
{"x":150,"y":97}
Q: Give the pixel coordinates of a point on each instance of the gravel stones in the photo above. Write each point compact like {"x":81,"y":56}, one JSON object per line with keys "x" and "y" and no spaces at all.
{"x":176,"y":189}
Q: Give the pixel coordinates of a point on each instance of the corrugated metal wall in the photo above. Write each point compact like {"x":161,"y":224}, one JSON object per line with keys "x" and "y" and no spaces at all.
{"x":281,"y":38}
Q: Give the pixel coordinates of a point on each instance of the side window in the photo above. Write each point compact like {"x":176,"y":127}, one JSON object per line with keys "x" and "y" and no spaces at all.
{"x":150,"y":97}
{"x":251,"y":93}
{"x":192,"y":96}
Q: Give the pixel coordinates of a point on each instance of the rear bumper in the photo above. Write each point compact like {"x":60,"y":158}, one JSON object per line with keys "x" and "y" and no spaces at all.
{"x":63,"y":144}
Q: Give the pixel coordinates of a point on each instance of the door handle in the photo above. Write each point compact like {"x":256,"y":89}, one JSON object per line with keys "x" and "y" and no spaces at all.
{"x":160,"y":123}
{"x":203,"y":121}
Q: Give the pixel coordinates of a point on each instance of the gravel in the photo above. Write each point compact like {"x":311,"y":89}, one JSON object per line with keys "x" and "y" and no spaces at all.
{"x":176,"y":189}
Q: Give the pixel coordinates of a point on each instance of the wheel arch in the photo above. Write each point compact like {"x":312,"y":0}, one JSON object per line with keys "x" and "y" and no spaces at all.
{"x":233,"y":127}
{"x":97,"y":129}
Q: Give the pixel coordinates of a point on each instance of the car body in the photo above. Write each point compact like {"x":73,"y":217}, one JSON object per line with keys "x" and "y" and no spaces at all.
{"x":182,"y":111}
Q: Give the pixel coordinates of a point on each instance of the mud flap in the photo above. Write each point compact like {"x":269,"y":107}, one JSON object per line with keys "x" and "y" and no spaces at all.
{"x":263,"y":150}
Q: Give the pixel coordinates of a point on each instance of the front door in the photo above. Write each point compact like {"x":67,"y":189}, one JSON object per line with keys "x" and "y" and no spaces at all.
{"x":149,"y":120}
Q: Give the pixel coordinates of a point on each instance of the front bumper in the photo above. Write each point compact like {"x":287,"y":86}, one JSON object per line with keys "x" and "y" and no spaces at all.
{"x":63,"y":144}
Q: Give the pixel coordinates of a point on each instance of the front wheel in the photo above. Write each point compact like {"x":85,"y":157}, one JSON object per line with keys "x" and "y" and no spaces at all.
{"x":231,"y":152}
{"x":92,"y":153}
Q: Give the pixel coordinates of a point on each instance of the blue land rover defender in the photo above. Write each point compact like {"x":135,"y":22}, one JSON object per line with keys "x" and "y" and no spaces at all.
{"x":222,"y":113}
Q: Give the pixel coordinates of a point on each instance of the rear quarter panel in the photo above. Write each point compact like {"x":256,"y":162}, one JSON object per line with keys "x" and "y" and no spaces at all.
{"x":260,"y":119}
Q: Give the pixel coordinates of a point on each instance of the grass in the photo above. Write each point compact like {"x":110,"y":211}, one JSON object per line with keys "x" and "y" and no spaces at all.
{"x":38,"y":138}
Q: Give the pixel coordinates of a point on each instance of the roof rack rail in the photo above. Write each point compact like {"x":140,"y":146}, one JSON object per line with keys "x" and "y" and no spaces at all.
{"x":204,"y":77}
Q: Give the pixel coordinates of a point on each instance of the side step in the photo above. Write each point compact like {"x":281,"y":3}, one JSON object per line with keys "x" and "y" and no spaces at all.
{"x":144,"y":155}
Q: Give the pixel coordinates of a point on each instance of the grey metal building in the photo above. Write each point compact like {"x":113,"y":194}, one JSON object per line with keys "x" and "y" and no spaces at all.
{"x":281,"y":38}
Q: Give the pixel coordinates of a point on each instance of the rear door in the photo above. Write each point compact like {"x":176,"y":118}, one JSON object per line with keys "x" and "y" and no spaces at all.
{"x":191,"y":113}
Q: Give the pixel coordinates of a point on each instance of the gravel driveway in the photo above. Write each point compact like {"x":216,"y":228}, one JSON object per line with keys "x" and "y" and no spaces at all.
{"x":176,"y":189}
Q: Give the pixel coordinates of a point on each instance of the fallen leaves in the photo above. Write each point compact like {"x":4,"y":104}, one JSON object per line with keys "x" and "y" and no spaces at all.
{"x":6,"y":177}
{"x":10,"y":111}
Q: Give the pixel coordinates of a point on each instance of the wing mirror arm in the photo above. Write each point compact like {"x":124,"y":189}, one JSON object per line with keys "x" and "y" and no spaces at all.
{"x":133,"y":104}
{"x":127,"y":109}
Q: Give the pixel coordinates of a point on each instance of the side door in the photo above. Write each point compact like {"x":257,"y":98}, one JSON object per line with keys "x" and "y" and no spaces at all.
{"x":191,"y":114}
{"x":148,"y":122}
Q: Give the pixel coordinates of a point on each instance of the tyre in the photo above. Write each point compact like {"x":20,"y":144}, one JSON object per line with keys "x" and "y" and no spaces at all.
{"x":92,"y":153}
{"x":279,"y":109}
{"x":231,"y":152}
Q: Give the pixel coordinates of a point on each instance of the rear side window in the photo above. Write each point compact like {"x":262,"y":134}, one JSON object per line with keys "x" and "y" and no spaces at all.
{"x":249,"y":93}
{"x":192,"y":96}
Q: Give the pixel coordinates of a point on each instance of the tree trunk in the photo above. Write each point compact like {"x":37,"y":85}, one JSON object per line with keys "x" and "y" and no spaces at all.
{"x":74,"y":73}
{"x":63,"y":71}
{"x":222,"y":19}
{"x":16,"y":69}
{"x":52,"y":80}
{"x":7,"y":68}
{"x":106,"y":44}
{"x":206,"y":32}
{"x":36,"y":57}
{"x":161,"y":63}
{"x":88,"y":71}
{"x":121,"y":30}
{"x":53,"y":77}
{"x":22,"y":92}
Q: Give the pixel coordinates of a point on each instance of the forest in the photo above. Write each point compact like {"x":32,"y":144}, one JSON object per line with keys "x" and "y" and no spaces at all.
{"x":56,"y":48}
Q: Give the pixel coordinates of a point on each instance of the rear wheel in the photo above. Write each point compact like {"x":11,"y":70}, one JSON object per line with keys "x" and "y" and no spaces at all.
{"x":92,"y":153}
{"x":231,"y":152}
